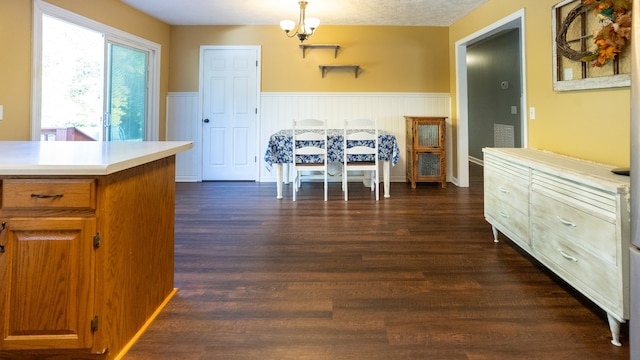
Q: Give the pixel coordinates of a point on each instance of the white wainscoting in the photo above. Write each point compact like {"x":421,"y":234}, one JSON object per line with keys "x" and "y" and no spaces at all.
{"x":183,"y":124}
{"x":277,"y":111}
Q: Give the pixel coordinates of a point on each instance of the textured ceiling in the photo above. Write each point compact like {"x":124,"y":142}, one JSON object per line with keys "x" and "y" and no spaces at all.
{"x":330,"y":12}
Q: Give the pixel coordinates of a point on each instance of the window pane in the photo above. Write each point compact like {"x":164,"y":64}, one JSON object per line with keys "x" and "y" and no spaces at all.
{"x":72,"y":81}
{"x":127,"y":93}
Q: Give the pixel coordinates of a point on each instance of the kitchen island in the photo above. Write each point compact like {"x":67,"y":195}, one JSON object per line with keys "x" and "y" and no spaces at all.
{"x":86,"y":245}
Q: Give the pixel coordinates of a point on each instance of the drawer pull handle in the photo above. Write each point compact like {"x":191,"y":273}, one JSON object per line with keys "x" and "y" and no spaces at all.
{"x":503,"y":190}
{"x":566,"y":222}
{"x":504,"y":215}
{"x":567,"y":256}
{"x":39,"y":196}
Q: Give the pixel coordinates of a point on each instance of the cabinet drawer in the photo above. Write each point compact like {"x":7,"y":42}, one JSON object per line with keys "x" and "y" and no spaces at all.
{"x":507,"y":188}
{"x":582,"y":269}
{"x":515,"y":219}
{"x":585,"y":230}
{"x":48,"y":193}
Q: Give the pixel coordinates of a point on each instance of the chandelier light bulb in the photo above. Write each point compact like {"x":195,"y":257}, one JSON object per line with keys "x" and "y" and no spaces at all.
{"x":287,"y":25}
{"x":312,"y":24}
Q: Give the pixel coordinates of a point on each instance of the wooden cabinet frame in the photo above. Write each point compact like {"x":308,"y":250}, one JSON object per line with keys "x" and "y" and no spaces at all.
{"x":426,"y":150}
{"x":113,"y":273}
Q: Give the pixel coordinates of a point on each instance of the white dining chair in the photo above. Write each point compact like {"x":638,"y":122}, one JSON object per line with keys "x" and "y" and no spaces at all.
{"x":361,"y":152}
{"x":310,"y":146}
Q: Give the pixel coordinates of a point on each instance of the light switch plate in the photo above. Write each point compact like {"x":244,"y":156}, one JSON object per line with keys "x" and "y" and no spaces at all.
{"x":532,"y":113}
{"x":1,"y":108}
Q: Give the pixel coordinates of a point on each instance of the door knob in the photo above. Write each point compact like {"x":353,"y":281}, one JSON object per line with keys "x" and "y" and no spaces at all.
{"x":206,"y":120}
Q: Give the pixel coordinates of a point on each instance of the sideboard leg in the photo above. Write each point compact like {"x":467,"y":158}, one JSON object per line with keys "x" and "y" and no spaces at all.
{"x":495,"y":233}
{"x":614,"y":325}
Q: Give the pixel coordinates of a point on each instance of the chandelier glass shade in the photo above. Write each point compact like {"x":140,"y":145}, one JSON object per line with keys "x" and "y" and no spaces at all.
{"x":306,"y":27}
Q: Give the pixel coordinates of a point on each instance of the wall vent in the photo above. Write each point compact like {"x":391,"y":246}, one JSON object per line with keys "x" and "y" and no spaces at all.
{"x":503,"y":136}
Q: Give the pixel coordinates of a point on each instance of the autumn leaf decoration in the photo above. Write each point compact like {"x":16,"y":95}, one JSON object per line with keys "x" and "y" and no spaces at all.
{"x":615,"y":17}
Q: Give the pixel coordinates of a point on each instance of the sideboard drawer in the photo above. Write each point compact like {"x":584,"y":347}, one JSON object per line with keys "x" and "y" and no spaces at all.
{"x":592,"y":233}
{"x":581,"y":268}
{"x":49,"y":193}
{"x":507,"y":188}
{"x":513,"y":218}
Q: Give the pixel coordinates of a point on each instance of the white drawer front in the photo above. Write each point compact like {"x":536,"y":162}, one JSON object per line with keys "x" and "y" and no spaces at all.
{"x":583,"y":229}
{"x":511,"y":219}
{"x":507,"y":188}
{"x":583,"y":270}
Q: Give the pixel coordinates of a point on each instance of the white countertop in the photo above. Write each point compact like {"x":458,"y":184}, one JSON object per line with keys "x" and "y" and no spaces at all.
{"x":81,"y":157}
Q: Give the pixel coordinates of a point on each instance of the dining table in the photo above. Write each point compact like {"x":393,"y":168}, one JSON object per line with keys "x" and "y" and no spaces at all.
{"x":280,"y":152}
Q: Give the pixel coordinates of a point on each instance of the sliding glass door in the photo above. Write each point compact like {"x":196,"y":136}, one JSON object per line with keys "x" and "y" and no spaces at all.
{"x":126,"y":94}
{"x":92,"y":82}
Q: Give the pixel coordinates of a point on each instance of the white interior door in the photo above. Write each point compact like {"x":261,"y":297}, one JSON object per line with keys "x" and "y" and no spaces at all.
{"x":229,"y":113}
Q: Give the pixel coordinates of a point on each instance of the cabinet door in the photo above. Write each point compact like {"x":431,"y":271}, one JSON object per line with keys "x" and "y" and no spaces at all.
{"x":47,"y":273}
{"x":429,"y":165}
{"x":428,"y":135}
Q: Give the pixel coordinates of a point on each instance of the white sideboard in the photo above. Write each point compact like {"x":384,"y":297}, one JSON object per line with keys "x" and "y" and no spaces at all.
{"x":571,"y":215}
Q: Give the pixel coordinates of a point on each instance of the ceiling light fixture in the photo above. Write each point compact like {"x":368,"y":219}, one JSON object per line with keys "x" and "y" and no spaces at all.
{"x":306,"y":27}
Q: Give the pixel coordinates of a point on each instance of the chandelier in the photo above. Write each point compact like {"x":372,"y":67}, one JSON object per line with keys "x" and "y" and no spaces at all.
{"x":306,"y":27}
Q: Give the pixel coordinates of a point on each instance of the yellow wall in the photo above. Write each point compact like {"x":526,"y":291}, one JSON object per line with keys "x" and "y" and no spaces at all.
{"x":15,"y":57}
{"x":393,"y":59}
{"x":15,"y":69}
{"x":588,"y":124}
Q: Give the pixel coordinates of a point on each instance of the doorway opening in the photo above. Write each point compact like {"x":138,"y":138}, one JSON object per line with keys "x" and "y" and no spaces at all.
{"x":513,"y":21}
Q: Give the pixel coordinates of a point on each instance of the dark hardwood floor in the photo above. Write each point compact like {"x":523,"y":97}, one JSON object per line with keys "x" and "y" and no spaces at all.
{"x":415,"y":276}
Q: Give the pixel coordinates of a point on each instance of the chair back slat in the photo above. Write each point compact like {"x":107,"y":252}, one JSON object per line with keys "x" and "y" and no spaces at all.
{"x":360,"y":151}
{"x":310,"y":146}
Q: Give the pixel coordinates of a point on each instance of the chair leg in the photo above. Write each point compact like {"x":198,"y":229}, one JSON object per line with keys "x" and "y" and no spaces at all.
{"x":345,"y":185}
{"x":377,"y":185}
{"x":294,"y":184}
{"x":326,"y":187}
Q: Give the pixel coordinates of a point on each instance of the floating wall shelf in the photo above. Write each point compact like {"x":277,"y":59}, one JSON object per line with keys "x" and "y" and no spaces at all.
{"x":325,"y":68}
{"x":335,"y":47}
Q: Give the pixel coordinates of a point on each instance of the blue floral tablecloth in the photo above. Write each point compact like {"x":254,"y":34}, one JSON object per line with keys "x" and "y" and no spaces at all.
{"x":279,"y":150}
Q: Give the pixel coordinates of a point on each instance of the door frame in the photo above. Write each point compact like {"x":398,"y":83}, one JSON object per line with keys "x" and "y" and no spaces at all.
{"x":513,"y":21}
{"x":199,"y":120}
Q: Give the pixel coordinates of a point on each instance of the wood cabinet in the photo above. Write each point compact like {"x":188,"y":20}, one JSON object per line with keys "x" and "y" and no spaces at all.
{"x":86,"y":261}
{"x":570,"y":215}
{"x":426,"y":153}
{"x":47,"y":267}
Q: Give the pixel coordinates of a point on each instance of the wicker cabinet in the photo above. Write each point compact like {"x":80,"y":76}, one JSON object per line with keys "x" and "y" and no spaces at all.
{"x":426,"y":154}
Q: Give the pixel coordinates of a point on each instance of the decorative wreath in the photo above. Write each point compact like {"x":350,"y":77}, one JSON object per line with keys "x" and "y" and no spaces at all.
{"x":615,"y":18}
